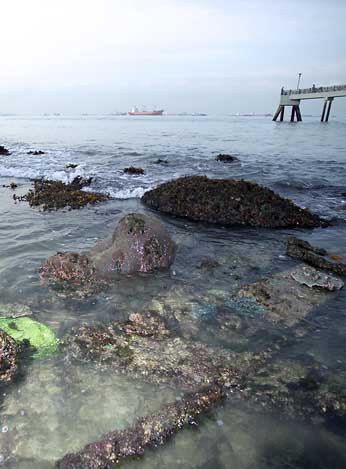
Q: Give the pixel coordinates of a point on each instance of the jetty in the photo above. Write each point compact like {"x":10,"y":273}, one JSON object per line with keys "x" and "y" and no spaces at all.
{"x":293,"y":97}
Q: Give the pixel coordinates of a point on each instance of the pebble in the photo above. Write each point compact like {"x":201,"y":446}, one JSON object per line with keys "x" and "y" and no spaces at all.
{"x":4,"y":429}
{"x":22,"y":413}
{"x":2,"y":458}
{"x":219,"y":423}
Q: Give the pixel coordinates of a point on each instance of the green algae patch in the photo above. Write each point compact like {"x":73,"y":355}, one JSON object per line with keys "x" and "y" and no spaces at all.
{"x":26,"y":330}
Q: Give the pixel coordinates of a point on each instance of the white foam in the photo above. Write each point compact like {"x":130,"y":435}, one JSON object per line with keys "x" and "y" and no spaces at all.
{"x":132,"y":193}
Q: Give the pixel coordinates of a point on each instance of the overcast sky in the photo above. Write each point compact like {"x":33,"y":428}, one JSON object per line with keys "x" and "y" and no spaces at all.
{"x":183,"y":55}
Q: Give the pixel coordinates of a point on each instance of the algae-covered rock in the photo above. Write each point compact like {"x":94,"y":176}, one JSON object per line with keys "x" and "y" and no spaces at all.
{"x":8,"y":357}
{"x":228,"y":202}
{"x":26,"y":330}
{"x":53,"y":195}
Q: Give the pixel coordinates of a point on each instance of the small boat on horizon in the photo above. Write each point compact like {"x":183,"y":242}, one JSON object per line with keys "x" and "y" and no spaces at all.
{"x":135,"y":112}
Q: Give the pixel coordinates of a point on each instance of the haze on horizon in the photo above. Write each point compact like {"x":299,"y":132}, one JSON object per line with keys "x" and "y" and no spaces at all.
{"x":219,"y":56}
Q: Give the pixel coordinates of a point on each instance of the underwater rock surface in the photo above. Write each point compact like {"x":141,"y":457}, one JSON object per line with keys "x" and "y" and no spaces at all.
{"x":228,"y":202}
{"x":139,"y":243}
{"x":314,"y":278}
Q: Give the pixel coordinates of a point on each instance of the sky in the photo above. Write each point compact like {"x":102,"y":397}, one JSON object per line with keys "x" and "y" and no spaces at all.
{"x":101,"y":56}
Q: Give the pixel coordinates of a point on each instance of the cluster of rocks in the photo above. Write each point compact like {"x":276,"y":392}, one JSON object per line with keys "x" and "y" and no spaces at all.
{"x":36,"y":152}
{"x":228,"y":202}
{"x":54,"y":195}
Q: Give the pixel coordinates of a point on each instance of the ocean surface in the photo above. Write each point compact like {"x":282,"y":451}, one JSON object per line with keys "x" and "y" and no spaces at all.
{"x":46,"y":415}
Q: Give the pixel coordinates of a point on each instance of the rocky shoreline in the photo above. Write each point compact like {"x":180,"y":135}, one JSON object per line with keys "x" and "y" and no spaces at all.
{"x":149,"y":345}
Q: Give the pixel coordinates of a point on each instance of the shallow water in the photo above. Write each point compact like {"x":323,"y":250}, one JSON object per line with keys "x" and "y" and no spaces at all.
{"x":56,"y":408}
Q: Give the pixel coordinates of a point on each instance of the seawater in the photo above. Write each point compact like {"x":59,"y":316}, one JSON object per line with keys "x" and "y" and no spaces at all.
{"x":54,"y":409}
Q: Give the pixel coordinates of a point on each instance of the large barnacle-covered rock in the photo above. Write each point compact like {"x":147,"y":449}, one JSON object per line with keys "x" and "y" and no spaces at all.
{"x":228,"y":202}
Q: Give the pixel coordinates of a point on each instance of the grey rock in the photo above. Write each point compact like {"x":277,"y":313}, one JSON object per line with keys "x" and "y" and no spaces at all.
{"x":314,"y":278}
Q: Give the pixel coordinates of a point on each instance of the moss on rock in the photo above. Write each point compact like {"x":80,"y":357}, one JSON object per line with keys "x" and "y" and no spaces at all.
{"x":39,"y":336}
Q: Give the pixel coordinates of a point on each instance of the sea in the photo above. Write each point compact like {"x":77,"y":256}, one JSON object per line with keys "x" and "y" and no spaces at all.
{"x":58,"y":407}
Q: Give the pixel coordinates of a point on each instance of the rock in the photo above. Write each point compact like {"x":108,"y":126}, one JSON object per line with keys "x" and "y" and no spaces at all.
{"x":314,"y":278}
{"x":133,"y":170}
{"x":147,"y":432}
{"x":160,"y":161}
{"x":14,"y":310}
{"x":4,"y":151}
{"x":228,"y":202}
{"x":53,"y":195}
{"x":71,"y":166}
{"x":139,"y":244}
{"x":320,"y":258}
{"x":8,"y":357}
{"x":226,"y":158}
{"x":36,"y":152}
{"x":25,"y":330}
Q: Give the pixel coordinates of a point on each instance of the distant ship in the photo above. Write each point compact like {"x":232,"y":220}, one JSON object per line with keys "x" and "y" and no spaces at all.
{"x":135,"y":112}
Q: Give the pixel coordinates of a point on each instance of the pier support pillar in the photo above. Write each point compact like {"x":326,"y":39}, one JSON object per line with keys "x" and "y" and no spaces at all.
{"x":324,"y":110}
{"x":293,"y":113}
{"x":298,"y":114}
{"x":330,"y":100}
{"x":279,"y":111}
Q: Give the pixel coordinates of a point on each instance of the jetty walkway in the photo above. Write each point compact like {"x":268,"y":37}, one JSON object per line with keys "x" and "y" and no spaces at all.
{"x":293,"y":98}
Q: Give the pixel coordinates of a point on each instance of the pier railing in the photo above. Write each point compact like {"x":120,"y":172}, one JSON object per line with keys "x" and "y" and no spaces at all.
{"x":314,"y":89}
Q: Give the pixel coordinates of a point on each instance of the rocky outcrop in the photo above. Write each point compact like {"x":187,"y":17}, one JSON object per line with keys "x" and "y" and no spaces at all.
{"x":317,"y":257}
{"x":139,"y":244}
{"x":4,"y":151}
{"x":54,"y":195}
{"x":228,"y":202}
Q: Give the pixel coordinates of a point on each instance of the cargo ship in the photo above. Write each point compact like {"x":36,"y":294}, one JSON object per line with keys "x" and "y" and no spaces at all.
{"x":135,"y":112}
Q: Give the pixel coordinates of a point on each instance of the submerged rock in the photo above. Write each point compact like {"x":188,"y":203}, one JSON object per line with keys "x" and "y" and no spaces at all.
{"x":8,"y":357}
{"x":226,"y":158}
{"x":4,"y":151}
{"x":139,"y":244}
{"x":12,"y":185}
{"x":316,"y":279}
{"x":314,"y":256}
{"x":27,"y":331}
{"x":228,"y":202}
{"x":284,"y":299}
{"x":14,"y":310}
{"x":133,"y":170}
{"x":53,"y":195}
{"x":147,"y":432}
